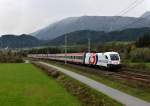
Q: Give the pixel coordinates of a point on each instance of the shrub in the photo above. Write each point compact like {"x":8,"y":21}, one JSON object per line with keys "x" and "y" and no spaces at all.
{"x":140,"y":55}
{"x":143,"y":41}
{"x":18,"y":60}
{"x":55,"y":74}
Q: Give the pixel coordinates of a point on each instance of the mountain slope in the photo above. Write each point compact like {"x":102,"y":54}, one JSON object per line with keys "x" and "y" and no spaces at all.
{"x":81,"y":37}
{"x":95,"y":23}
{"x":146,"y":15}
{"x":13,"y":41}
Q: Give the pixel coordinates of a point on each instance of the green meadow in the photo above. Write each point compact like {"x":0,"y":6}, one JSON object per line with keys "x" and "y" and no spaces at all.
{"x":26,"y":85}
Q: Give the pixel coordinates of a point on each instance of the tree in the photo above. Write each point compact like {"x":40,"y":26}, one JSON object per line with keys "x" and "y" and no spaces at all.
{"x":143,"y":41}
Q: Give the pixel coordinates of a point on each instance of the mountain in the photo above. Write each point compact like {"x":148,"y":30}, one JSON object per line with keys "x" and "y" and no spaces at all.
{"x":81,"y":37}
{"x":146,"y":15}
{"x":95,"y":23}
{"x":14,"y":41}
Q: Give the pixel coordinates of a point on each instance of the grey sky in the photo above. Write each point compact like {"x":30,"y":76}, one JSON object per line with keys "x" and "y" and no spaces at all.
{"x":26,"y":16}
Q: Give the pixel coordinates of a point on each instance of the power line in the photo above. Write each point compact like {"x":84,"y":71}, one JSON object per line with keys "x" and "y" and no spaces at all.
{"x":138,"y":20}
{"x":89,"y":44}
{"x":65,"y":48}
{"x":128,"y":9}
{"x":122,"y":12}
{"x":133,"y":7}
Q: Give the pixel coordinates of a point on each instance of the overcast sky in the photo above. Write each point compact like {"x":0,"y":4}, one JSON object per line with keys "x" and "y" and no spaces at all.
{"x":26,"y":16}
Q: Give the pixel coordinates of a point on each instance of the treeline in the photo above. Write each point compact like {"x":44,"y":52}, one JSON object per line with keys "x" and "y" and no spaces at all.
{"x":142,"y":51}
{"x":44,"y":51}
{"x":137,"y":51}
{"x":54,"y":50}
{"x":8,"y":56}
{"x":81,"y":37}
{"x":143,"y":41}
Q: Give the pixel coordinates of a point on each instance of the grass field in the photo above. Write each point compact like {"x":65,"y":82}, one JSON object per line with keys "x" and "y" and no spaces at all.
{"x":148,"y":64}
{"x":25,"y":85}
{"x":139,"y":66}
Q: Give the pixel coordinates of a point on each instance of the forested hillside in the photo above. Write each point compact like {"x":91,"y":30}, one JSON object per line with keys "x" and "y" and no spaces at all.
{"x":81,"y":37}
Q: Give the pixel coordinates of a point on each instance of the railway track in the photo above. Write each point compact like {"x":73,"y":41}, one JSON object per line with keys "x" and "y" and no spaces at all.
{"x":134,"y":76}
{"x":127,"y":74}
{"x":130,"y":75}
{"x":123,"y":73}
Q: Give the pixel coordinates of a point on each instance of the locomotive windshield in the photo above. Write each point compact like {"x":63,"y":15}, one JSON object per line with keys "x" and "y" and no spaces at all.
{"x":114,"y":57}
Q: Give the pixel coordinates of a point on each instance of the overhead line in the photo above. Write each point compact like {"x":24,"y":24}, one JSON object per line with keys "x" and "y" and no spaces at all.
{"x":135,"y":4}
{"x":133,"y":7}
{"x":138,"y":20}
{"x":127,"y":8}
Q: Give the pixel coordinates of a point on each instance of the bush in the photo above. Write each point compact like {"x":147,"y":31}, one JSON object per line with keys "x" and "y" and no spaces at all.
{"x":139,"y":66}
{"x":10,"y":57}
{"x":140,"y":55}
{"x":55,"y":74}
{"x":18,"y":60}
{"x":143,"y":41}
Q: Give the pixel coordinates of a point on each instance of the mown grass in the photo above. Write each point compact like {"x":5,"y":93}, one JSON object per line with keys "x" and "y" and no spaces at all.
{"x":26,"y":85}
{"x":140,"y":67}
{"x":122,"y":85}
{"x":86,"y":95}
{"x":148,"y":64}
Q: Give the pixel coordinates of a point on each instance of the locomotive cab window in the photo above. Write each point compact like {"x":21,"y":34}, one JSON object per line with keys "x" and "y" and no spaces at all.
{"x":106,"y":57}
{"x":114,"y":57}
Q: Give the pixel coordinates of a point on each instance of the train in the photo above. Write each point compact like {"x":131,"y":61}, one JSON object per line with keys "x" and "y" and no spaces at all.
{"x":108,"y":60}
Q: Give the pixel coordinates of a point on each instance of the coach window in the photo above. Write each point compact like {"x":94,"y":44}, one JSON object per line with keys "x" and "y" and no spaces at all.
{"x":77,"y":57}
{"x":80,"y":57}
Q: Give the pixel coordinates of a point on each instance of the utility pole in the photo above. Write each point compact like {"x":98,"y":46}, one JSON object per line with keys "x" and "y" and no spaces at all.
{"x":65,"y":48}
{"x":2,"y":44}
{"x":89,"y":44}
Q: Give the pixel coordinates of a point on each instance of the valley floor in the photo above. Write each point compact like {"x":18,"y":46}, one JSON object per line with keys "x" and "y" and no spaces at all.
{"x":113,"y":93}
{"x":25,"y":85}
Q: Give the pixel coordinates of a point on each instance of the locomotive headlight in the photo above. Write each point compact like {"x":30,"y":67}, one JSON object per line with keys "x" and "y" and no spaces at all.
{"x":115,"y":62}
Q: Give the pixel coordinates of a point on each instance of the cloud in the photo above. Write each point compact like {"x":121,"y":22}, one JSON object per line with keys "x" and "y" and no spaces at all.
{"x":26,"y":16}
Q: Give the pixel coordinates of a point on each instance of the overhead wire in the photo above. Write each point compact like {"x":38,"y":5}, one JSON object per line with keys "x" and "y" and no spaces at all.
{"x":136,"y":21}
{"x":126,"y":10}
